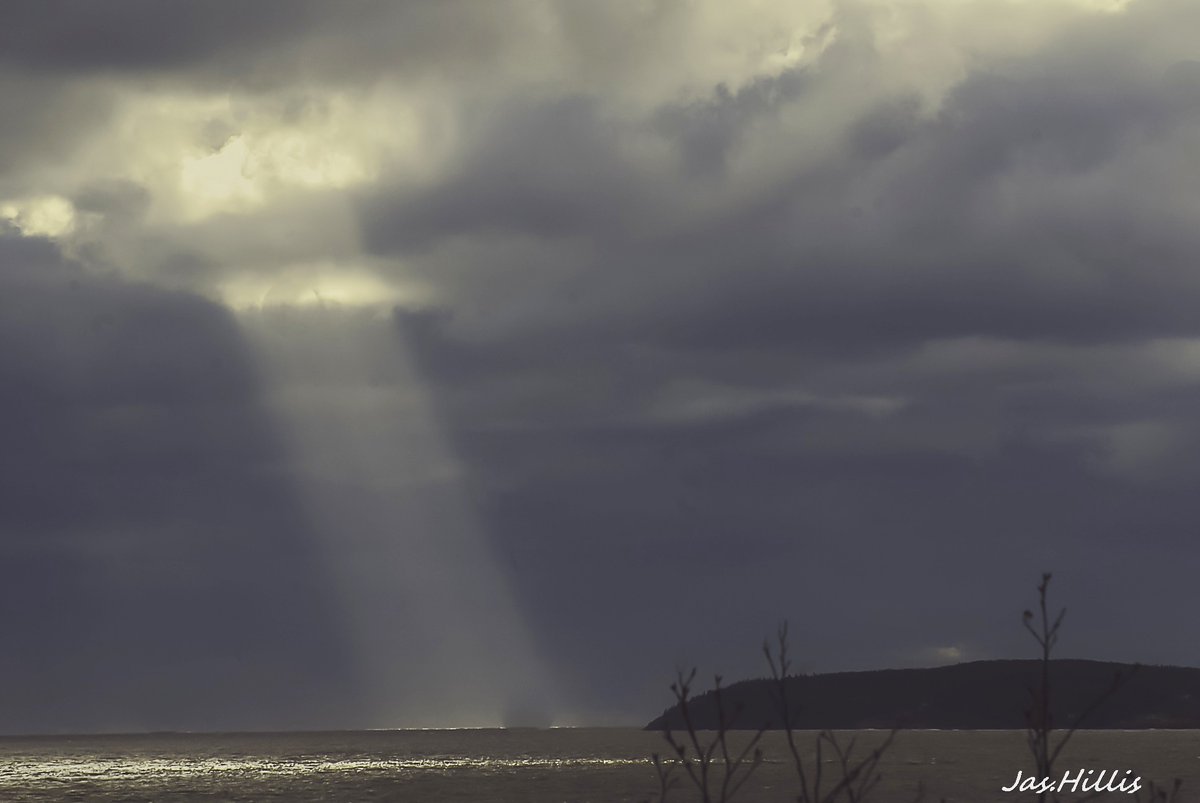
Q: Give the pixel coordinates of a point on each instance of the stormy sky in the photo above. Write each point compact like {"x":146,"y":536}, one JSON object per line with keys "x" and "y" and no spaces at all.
{"x":383,"y":364}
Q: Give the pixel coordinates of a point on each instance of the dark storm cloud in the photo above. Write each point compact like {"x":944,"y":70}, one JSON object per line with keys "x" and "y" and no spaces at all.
{"x":706,"y":130}
{"x":140,"y":34}
{"x":813,"y":343}
{"x":910,"y":375}
{"x":562,"y":169}
{"x":1004,"y":213}
{"x":263,"y":45}
{"x":525,"y":177}
{"x":155,"y":572}
{"x":716,"y":526}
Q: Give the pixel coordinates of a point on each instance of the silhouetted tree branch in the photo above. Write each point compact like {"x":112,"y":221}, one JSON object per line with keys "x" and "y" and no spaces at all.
{"x":718,"y":772}
{"x":1040,"y":733}
{"x":713,"y":768}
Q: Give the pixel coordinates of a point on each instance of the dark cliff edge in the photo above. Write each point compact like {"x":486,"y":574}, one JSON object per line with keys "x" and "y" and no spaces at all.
{"x":975,"y":695}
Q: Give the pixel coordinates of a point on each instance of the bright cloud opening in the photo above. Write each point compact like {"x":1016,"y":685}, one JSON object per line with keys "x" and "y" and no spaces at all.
{"x":315,"y":285}
{"x":42,"y":216}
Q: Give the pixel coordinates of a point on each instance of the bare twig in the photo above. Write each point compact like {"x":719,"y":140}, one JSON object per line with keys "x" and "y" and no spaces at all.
{"x":700,"y":765}
{"x":1039,"y":717}
{"x":856,"y":778}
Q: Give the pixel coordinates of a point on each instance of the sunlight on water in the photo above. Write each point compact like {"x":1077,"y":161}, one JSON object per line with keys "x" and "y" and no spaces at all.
{"x":352,"y":766}
{"x":121,"y":769}
{"x":605,"y":765}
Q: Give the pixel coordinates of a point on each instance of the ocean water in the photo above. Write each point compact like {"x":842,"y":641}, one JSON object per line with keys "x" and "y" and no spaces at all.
{"x":585,"y":765}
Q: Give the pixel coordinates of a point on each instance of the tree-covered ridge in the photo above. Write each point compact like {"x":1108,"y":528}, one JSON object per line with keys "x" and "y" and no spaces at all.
{"x":974,"y":695}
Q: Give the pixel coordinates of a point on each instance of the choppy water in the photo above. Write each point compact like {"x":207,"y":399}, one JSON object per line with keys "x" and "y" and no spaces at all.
{"x":525,"y":766}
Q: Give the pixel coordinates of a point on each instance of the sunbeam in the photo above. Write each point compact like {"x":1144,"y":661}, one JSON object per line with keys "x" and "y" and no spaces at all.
{"x":437,"y":628}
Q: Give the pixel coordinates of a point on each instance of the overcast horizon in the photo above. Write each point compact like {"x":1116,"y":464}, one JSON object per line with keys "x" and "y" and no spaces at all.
{"x":400,"y":364}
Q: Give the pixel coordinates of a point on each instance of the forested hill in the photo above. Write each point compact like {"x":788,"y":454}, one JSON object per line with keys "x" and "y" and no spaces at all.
{"x":979,"y":694}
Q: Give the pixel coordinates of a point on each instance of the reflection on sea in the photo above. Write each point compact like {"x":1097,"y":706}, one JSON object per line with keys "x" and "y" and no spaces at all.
{"x":575,"y":765}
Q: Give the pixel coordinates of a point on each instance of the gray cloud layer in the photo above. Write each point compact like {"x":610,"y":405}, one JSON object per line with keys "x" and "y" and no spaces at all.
{"x":707,"y":339}
{"x":155,"y":572}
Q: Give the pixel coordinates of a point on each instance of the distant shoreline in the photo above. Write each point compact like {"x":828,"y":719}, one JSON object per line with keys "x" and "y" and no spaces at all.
{"x":973,"y":696}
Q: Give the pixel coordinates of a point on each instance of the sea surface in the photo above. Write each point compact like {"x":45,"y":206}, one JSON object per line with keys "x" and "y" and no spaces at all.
{"x":584,"y":765}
